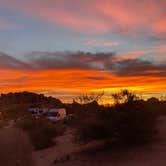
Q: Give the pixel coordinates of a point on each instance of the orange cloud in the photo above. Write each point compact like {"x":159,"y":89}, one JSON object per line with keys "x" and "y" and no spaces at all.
{"x":159,"y":51}
{"x":76,"y":72}
{"x":76,"y":81}
{"x":160,"y":26}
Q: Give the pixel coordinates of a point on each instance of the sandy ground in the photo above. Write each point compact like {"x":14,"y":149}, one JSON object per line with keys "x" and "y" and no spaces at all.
{"x":64,"y":147}
{"x":150,"y":155}
{"x":15,"y":147}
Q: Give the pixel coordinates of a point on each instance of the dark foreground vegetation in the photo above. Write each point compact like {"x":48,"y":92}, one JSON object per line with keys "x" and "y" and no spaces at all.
{"x":41,"y":131}
{"x":14,"y":106}
{"x":131,"y":121}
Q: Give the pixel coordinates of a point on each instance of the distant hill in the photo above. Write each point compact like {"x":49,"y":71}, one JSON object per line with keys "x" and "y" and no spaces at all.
{"x":32,"y":99}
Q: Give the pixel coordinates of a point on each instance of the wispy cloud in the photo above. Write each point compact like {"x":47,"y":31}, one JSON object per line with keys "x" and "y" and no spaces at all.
{"x":101,"y":43}
{"x":6,"y":24}
{"x":76,"y":72}
{"x":97,"y":16}
{"x":41,"y":61}
{"x":9,"y":62}
{"x":137,"y":67}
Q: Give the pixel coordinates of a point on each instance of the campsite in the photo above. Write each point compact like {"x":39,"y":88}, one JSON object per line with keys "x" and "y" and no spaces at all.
{"x":82,"y":82}
{"x":76,"y":132}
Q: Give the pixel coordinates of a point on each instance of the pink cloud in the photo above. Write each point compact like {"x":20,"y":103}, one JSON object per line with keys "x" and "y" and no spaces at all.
{"x":5,"y":25}
{"x":96,"y":16}
{"x":160,"y":26}
{"x":94,"y":42}
{"x":58,"y":12}
{"x":160,"y":52}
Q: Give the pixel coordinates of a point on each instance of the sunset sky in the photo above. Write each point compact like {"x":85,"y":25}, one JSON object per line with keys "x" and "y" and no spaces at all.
{"x":67,"y":47}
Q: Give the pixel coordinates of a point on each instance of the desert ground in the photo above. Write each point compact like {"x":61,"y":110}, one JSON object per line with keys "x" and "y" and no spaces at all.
{"x":67,"y":153}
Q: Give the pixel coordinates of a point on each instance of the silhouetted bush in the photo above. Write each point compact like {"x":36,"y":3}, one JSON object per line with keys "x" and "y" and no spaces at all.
{"x":41,"y":131}
{"x":14,"y":111}
{"x":128,"y":122}
{"x":1,"y":124}
{"x":135,"y":123}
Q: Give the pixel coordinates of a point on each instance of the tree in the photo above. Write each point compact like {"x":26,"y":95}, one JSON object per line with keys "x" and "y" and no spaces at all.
{"x":89,"y":98}
{"x":124,"y":96}
{"x":153,"y":100}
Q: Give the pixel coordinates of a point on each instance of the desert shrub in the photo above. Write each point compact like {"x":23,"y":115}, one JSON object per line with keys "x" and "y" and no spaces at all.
{"x":15,"y":111}
{"x":134,"y":123}
{"x":129,"y":122}
{"x":27,"y":123}
{"x":41,"y":131}
{"x":92,"y":128}
{"x":2,"y":123}
{"x":42,"y":138}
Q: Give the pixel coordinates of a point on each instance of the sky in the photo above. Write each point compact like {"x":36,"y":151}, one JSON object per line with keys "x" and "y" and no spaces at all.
{"x":64,"y":48}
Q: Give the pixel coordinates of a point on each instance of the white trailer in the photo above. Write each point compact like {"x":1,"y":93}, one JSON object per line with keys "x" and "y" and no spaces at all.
{"x":56,"y":114}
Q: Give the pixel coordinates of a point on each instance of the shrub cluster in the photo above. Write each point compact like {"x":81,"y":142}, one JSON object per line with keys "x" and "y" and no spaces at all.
{"x":130,"y":122}
{"x":41,"y":131}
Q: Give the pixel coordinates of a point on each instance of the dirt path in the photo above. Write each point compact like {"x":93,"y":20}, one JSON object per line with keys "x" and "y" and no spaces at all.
{"x":150,"y":155}
{"x":64,"y":146}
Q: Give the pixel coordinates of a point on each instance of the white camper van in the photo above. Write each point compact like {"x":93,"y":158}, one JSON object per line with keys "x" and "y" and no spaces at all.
{"x":56,"y":114}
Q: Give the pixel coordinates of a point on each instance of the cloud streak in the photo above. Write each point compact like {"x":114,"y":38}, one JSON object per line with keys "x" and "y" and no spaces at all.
{"x":101,"y":43}
{"x":111,"y":15}
{"x":109,"y":62}
{"x":78,"y":72}
{"x":9,"y":62}
{"x":136,"y":67}
{"x":127,"y":17}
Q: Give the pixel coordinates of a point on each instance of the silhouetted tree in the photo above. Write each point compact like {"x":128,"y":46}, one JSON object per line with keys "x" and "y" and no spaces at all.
{"x":153,"y":100}
{"x":89,"y":98}
{"x":124,"y":96}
